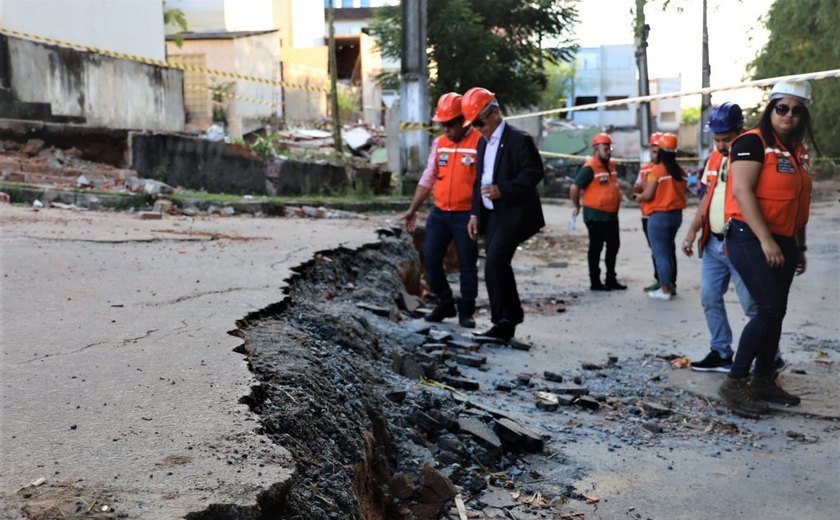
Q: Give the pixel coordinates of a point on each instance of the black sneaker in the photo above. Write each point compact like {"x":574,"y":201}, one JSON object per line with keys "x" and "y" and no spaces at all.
{"x":598,"y":287}
{"x":712,"y":363}
{"x":442,"y":311}
{"x":615,"y":286}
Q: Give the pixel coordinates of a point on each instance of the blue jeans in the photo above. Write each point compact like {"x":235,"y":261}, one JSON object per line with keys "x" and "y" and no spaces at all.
{"x":662,"y":232}
{"x":715,"y":274}
{"x":442,"y":227}
{"x":769,"y":286}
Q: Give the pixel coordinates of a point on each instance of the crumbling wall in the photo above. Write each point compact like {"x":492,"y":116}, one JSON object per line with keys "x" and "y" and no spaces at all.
{"x":107,"y":92}
{"x":197,"y":164}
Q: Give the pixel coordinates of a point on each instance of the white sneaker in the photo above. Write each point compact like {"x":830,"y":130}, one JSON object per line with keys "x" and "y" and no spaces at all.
{"x":659,"y":295}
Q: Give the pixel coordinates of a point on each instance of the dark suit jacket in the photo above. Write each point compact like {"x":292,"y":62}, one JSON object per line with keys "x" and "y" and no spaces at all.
{"x":518,"y":169}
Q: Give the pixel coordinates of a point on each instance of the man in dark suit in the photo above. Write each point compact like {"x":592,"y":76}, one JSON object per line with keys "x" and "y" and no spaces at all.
{"x":506,"y":206}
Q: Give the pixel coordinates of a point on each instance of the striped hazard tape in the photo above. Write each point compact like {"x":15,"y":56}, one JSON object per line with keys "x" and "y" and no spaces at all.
{"x":161,"y":63}
{"x":414,"y":126}
{"x":811,"y":76}
{"x":231,"y":95}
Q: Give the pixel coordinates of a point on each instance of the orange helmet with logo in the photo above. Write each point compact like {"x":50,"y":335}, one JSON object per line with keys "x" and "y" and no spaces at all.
{"x":448,"y":107}
{"x":654,"y":137}
{"x":601,"y":138}
{"x":475,"y":100}
{"x":667,"y":142}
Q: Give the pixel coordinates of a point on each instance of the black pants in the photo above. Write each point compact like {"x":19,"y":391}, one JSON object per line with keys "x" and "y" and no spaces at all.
{"x":601,"y":233}
{"x":505,"y":305}
{"x":770,"y":288}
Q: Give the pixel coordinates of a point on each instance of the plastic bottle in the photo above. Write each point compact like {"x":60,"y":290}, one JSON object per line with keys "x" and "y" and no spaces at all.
{"x":571,"y":225}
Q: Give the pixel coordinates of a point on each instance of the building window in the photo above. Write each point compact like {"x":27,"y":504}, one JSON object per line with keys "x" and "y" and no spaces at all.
{"x":365,"y":3}
{"x":617,"y":107}
{"x":668,"y":117}
{"x":586,"y":100}
{"x":346,"y":3}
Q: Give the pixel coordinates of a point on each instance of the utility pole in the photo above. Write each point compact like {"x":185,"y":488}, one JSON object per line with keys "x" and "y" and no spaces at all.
{"x":414,"y":93}
{"x":336,"y":123}
{"x":703,"y":143}
{"x":641,"y":34}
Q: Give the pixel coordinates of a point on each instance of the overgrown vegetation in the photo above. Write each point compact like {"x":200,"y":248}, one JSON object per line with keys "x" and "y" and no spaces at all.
{"x":803,"y":38}
{"x":690,"y":116}
{"x":173,"y":17}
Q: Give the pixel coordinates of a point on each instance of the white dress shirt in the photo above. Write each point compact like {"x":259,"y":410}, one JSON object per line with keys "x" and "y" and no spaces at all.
{"x":490,"y":152}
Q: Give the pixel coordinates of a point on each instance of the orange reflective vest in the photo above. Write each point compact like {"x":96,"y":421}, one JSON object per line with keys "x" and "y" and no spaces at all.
{"x":603,"y":193}
{"x":670,"y":193}
{"x":643,"y":174}
{"x":783,"y":189}
{"x":456,"y":170}
{"x":712,"y":170}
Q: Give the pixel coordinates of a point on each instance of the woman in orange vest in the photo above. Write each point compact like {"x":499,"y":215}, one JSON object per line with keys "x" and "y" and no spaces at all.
{"x":767,"y":204}
{"x":639,"y":187}
{"x":663,"y":200}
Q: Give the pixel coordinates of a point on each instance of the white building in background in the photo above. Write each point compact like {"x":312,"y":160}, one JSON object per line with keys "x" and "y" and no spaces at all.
{"x":605,"y":73}
{"x":130,"y":27}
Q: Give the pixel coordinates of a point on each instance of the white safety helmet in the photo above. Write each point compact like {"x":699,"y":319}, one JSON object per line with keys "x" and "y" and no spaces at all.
{"x":798,"y":89}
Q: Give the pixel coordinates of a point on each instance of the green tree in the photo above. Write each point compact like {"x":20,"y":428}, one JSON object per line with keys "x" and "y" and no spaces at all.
{"x":176,"y":18}
{"x":803,"y":38}
{"x":496,"y":44}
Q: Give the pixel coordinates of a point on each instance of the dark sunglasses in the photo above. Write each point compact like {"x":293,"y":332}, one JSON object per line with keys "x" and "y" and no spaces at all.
{"x":782,"y":110}
{"x":479,"y":121}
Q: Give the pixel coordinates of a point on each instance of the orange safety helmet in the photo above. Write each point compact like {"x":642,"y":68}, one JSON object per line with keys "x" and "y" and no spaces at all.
{"x":448,"y":107}
{"x":667,"y":142}
{"x":601,"y":138}
{"x":475,"y":100}
{"x":654,"y":137}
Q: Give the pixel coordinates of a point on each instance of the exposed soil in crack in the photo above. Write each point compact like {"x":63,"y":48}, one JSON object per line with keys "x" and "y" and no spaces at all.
{"x":390,"y":418}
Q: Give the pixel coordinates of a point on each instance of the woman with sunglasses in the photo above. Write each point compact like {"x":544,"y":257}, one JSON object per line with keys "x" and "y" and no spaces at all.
{"x":767,"y":204}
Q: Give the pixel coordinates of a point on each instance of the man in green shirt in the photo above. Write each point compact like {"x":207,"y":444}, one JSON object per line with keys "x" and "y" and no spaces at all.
{"x":596,"y":189}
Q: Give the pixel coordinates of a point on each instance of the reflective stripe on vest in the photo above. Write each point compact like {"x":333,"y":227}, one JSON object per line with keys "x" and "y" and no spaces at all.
{"x":670,"y":193}
{"x":456,"y":170}
{"x":712,"y":169}
{"x":603,"y":193}
{"x":783,"y":189}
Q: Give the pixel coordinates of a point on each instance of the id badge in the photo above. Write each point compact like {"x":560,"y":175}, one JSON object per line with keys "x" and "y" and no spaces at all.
{"x":467,"y":160}
{"x":443,"y":159}
{"x":785,"y":166}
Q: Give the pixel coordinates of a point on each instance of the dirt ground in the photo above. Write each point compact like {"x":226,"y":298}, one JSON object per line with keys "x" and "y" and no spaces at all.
{"x":658,"y":446}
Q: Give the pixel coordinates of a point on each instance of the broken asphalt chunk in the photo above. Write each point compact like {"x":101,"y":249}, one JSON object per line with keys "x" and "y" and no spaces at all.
{"x":459,"y":382}
{"x":552,"y":376}
{"x":587,"y":402}
{"x":470,"y":360}
{"x":376,"y":309}
{"x":655,"y":409}
{"x":483,"y":435}
{"x":516,"y":437}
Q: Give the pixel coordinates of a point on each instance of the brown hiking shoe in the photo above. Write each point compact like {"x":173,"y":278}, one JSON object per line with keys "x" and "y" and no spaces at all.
{"x":766,"y":389}
{"x":737,"y":395}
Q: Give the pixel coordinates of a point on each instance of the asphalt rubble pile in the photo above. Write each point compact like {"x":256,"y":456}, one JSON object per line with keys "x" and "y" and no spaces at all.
{"x":388,"y":416}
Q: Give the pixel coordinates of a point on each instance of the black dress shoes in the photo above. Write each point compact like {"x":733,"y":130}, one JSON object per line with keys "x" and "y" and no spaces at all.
{"x":442,"y":311}
{"x":615,"y":286}
{"x":500,"y":331}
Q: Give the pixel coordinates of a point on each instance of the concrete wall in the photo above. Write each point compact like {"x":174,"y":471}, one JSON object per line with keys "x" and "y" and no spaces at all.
{"x":371,"y":90}
{"x":107,"y":92}
{"x":131,"y":27}
{"x":257,"y":55}
{"x":305,"y":67}
{"x":197,"y":164}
